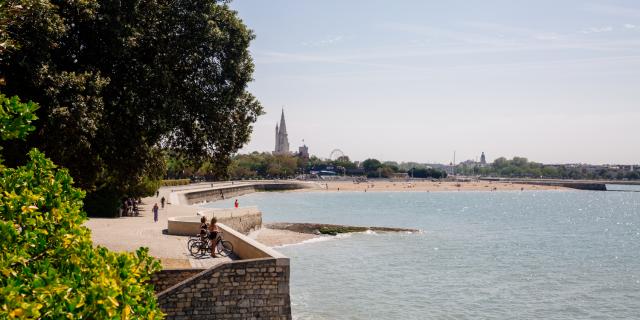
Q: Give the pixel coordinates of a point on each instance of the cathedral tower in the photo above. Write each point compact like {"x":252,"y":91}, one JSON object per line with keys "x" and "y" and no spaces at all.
{"x":282,"y":139}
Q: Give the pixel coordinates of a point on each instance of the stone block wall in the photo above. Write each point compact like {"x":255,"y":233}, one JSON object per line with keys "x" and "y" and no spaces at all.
{"x":243,"y":223}
{"x":244,"y":289}
{"x":198,"y":196}
{"x":166,"y":279}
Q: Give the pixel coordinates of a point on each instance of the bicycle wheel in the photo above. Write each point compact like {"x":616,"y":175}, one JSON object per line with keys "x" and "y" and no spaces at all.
{"x":195,"y":247}
{"x":191,"y":241}
{"x":225,"y":248}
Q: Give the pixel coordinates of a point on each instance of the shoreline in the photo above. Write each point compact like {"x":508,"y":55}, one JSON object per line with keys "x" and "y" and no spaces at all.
{"x":425,"y":186}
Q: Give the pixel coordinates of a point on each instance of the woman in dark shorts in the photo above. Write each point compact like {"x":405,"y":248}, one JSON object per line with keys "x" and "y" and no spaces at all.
{"x":213,"y":235}
{"x":203,"y":228}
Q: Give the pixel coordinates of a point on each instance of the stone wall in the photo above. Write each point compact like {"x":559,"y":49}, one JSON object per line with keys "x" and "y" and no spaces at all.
{"x":243,"y":219}
{"x":244,"y":289}
{"x":166,"y":279}
{"x":215,"y":194}
{"x":244,"y":222}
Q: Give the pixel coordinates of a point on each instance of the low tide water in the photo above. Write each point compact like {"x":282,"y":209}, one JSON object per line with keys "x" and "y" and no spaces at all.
{"x":480,"y":255}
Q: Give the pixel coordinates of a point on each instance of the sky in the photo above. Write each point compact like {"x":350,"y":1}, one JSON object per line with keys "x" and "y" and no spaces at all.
{"x":553,"y":81}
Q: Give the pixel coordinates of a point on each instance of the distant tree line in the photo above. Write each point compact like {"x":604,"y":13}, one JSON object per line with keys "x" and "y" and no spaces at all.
{"x":265,"y":165}
{"x":520,"y":167}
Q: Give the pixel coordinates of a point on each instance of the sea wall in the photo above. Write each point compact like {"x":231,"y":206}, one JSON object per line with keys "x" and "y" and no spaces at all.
{"x":243,"y":220}
{"x":215,"y":193}
{"x":254,"y":287}
{"x":593,"y":186}
{"x":246,"y":289}
{"x":166,"y":279}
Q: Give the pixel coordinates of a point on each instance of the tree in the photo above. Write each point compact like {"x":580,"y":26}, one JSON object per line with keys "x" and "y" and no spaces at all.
{"x":49,"y":267}
{"x":117,"y":81}
{"x":371,"y":165}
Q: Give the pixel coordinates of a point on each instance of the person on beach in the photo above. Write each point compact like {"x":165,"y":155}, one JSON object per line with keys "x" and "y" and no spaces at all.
{"x":155,"y":212}
{"x":213,"y":235}
{"x":236,"y":204}
{"x":162,"y":202}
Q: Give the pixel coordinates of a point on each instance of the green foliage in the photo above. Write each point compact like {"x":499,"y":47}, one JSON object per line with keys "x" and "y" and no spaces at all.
{"x":371,"y":165}
{"x":427,"y":173}
{"x":264,"y":165}
{"x":334,"y":230}
{"x":16,"y":117}
{"x":48,"y":265}
{"x":103,"y":202}
{"x":174,"y":182}
{"x":116,"y":80}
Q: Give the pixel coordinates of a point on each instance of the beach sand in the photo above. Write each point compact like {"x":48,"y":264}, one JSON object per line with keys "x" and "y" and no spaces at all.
{"x":426,"y":186}
{"x":274,"y":238}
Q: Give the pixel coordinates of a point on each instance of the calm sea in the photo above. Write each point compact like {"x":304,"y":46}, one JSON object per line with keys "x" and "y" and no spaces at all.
{"x":480,"y":255}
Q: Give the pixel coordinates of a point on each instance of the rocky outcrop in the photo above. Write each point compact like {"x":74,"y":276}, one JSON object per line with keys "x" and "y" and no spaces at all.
{"x":332,"y":229}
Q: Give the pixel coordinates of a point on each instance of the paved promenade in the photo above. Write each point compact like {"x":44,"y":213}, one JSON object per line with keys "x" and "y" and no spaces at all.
{"x":130,"y":233}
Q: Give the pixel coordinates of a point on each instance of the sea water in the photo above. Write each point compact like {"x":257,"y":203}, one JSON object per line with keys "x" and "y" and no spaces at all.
{"x":479,"y":255}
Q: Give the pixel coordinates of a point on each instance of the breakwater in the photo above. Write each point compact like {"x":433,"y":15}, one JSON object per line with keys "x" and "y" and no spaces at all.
{"x":592,"y":185}
{"x":323,"y":228}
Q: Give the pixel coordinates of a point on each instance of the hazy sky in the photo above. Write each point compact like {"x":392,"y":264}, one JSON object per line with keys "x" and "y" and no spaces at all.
{"x":554,"y":81}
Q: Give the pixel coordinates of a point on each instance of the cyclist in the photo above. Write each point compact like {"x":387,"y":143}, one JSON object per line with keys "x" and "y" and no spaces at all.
{"x":213,"y":235}
{"x":203,"y":228}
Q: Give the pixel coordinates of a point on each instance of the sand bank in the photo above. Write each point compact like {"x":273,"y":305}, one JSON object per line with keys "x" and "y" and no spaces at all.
{"x":275,"y":238}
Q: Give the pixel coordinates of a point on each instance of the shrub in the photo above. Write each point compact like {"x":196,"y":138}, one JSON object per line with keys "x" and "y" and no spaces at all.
{"x":48,"y":265}
{"x":175,"y":182}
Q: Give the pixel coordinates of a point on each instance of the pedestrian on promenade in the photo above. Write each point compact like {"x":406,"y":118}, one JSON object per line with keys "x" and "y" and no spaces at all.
{"x":157,"y":193}
{"x":236,"y":203}
{"x":162,"y":202}
{"x":155,"y":212}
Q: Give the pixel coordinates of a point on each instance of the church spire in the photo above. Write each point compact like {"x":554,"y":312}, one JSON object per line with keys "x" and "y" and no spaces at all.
{"x":282,"y":139}
{"x":283,"y":125}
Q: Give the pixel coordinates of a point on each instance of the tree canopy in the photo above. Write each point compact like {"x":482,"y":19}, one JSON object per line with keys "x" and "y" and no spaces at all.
{"x":118,"y":81}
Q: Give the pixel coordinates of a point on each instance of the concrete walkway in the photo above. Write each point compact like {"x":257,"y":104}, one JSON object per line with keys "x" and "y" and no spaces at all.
{"x":130,"y":233}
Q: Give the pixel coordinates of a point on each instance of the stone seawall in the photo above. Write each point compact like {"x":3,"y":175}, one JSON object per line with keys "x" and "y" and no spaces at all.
{"x":245,"y":289}
{"x":243,"y":220}
{"x":166,"y":279}
{"x":215,"y":193}
{"x":255,"y":286}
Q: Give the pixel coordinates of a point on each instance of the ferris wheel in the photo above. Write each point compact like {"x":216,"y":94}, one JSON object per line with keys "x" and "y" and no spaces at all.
{"x":335,"y":154}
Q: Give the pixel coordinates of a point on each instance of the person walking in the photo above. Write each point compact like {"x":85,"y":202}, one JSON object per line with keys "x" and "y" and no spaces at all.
{"x":162,"y":202}
{"x":236,"y":204}
{"x":155,"y":212}
{"x":157,"y":193}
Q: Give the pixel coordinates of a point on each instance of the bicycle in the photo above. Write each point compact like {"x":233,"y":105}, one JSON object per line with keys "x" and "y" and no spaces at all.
{"x":199,"y":247}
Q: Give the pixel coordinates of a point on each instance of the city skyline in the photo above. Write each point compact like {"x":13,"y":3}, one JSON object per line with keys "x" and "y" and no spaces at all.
{"x":553,"y":82}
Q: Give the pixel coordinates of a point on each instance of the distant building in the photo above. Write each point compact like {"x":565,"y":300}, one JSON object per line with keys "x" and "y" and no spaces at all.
{"x":303,"y":152}
{"x":282,"y":139}
{"x":483,"y":160}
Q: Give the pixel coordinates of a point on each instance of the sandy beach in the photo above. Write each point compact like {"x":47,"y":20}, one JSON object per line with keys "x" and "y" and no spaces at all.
{"x":426,"y":186}
{"x":275,"y":238}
